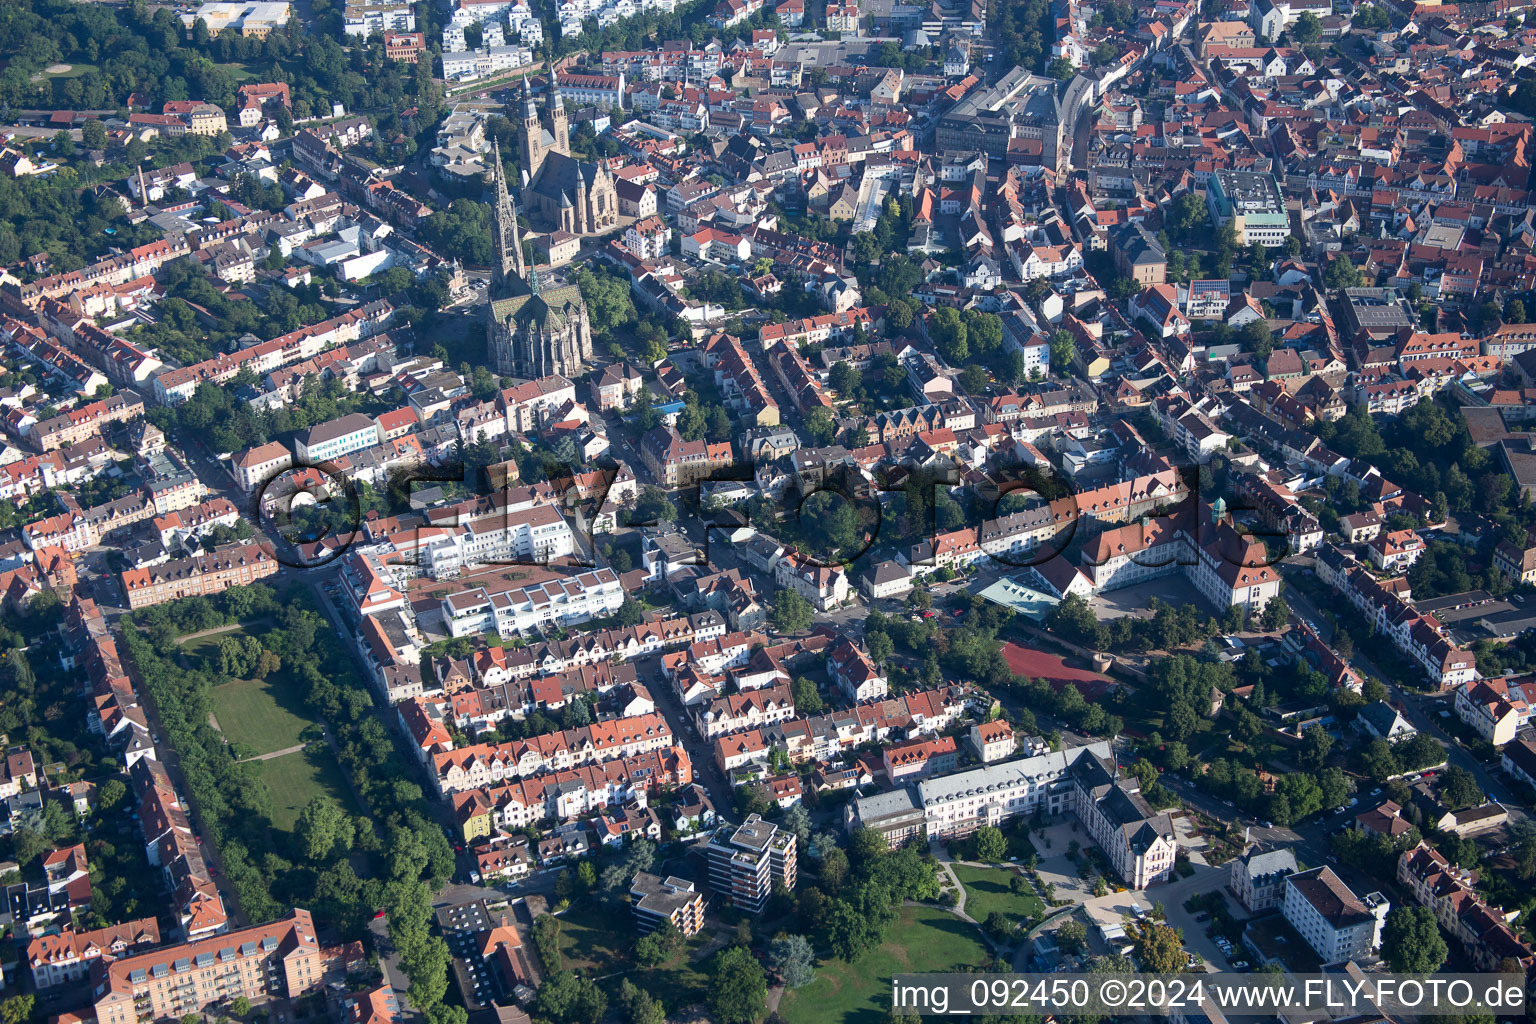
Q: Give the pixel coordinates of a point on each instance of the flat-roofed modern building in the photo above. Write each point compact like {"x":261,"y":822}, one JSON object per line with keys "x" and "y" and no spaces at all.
{"x":1253,"y":201}
{"x":746,"y":861}
{"x":656,"y":900}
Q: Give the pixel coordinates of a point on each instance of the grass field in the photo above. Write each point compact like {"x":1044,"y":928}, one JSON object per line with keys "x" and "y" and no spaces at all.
{"x":294,"y":779}
{"x":590,"y":941}
{"x":923,"y":939}
{"x":74,"y":71}
{"x":264,"y":714}
{"x":988,"y":889}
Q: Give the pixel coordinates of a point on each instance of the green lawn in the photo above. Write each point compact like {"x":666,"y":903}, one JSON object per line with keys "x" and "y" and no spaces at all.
{"x":923,"y":939}
{"x":264,"y":714}
{"x":75,"y":71}
{"x":589,"y":940}
{"x":593,"y":941}
{"x":294,"y":779}
{"x":988,"y":889}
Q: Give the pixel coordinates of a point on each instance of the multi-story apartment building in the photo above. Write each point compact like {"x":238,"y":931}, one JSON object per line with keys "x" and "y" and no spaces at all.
{"x":741,"y":711}
{"x":1253,"y":201}
{"x":679,"y":463}
{"x":529,"y":536}
{"x":517,"y":611}
{"x":366,"y":18}
{"x":1488,"y":712}
{"x":58,"y":958}
{"x":992,"y":741}
{"x":213,"y":573}
{"x":326,"y":441}
{"x":281,"y":959}
{"x":1336,"y":923}
{"x":824,"y":586}
{"x":1451,"y":894}
{"x":746,"y":861}
{"x":656,"y":900}
{"x":855,"y":674}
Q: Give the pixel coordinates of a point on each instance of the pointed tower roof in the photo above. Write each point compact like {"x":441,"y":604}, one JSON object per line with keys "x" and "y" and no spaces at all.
{"x":530,"y":109}
{"x":509,"y":247}
{"x":556,"y":101}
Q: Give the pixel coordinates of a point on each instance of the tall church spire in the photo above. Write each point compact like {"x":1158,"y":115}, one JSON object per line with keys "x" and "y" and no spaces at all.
{"x":509,"y":247}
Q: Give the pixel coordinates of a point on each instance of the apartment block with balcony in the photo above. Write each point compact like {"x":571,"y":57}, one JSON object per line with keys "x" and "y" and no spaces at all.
{"x":746,"y":861}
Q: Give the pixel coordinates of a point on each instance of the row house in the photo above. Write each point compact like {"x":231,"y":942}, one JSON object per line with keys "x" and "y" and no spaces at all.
{"x":480,"y":765}
{"x":754,"y":709}
{"x":563,"y":795}
{"x":1450,"y":892}
{"x":518,"y":611}
{"x":1420,"y":638}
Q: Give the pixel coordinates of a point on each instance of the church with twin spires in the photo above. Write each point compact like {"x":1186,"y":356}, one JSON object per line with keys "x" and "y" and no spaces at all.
{"x":534,"y":328}
{"x":559,"y":192}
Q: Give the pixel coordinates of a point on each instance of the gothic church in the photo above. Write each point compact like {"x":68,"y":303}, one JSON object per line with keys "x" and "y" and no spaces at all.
{"x":561,"y":193}
{"x":532,"y":329}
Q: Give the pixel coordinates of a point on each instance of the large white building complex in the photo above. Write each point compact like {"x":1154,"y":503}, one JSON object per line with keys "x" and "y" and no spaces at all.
{"x":1138,"y":841}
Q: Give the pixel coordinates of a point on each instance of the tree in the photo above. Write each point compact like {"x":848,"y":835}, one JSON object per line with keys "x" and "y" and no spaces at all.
{"x":881,"y":647}
{"x":569,"y":998}
{"x":807,"y":698}
{"x":1315,"y":747}
{"x":322,"y":826}
{"x":1307,"y":30}
{"x":991,"y":846}
{"x":17,"y":1009}
{"x":998,"y":925}
{"x":240,"y":1006}
{"x":94,"y":134}
{"x":1159,"y":949}
{"x":630,"y":613}
{"x":1063,"y":348}
{"x":738,"y":990}
{"x":820,"y":426}
{"x":110,"y":794}
{"x":797,"y":820}
{"x":1459,"y":788}
{"x":639,"y":1006}
{"x":1341,"y":273}
{"x":1180,"y":721}
{"x":791,"y":612}
{"x":973,"y":379}
{"x":1378,"y":760}
{"x":1072,"y":937}
{"x":949,"y":335}
{"x":1276,"y":614}
{"x":653,"y":506}
{"x":794,"y":959}
{"x":1411,"y":942}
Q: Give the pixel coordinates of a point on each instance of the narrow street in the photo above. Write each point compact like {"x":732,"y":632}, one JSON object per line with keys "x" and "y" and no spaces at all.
{"x":700,"y":752}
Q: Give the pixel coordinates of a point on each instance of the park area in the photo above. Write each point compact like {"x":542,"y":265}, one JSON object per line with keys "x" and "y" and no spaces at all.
{"x":590,"y":942}
{"x":297,"y":778}
{"x":991,"y":890}
{"x":262,"y":717}
{"x":923,"y":939}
